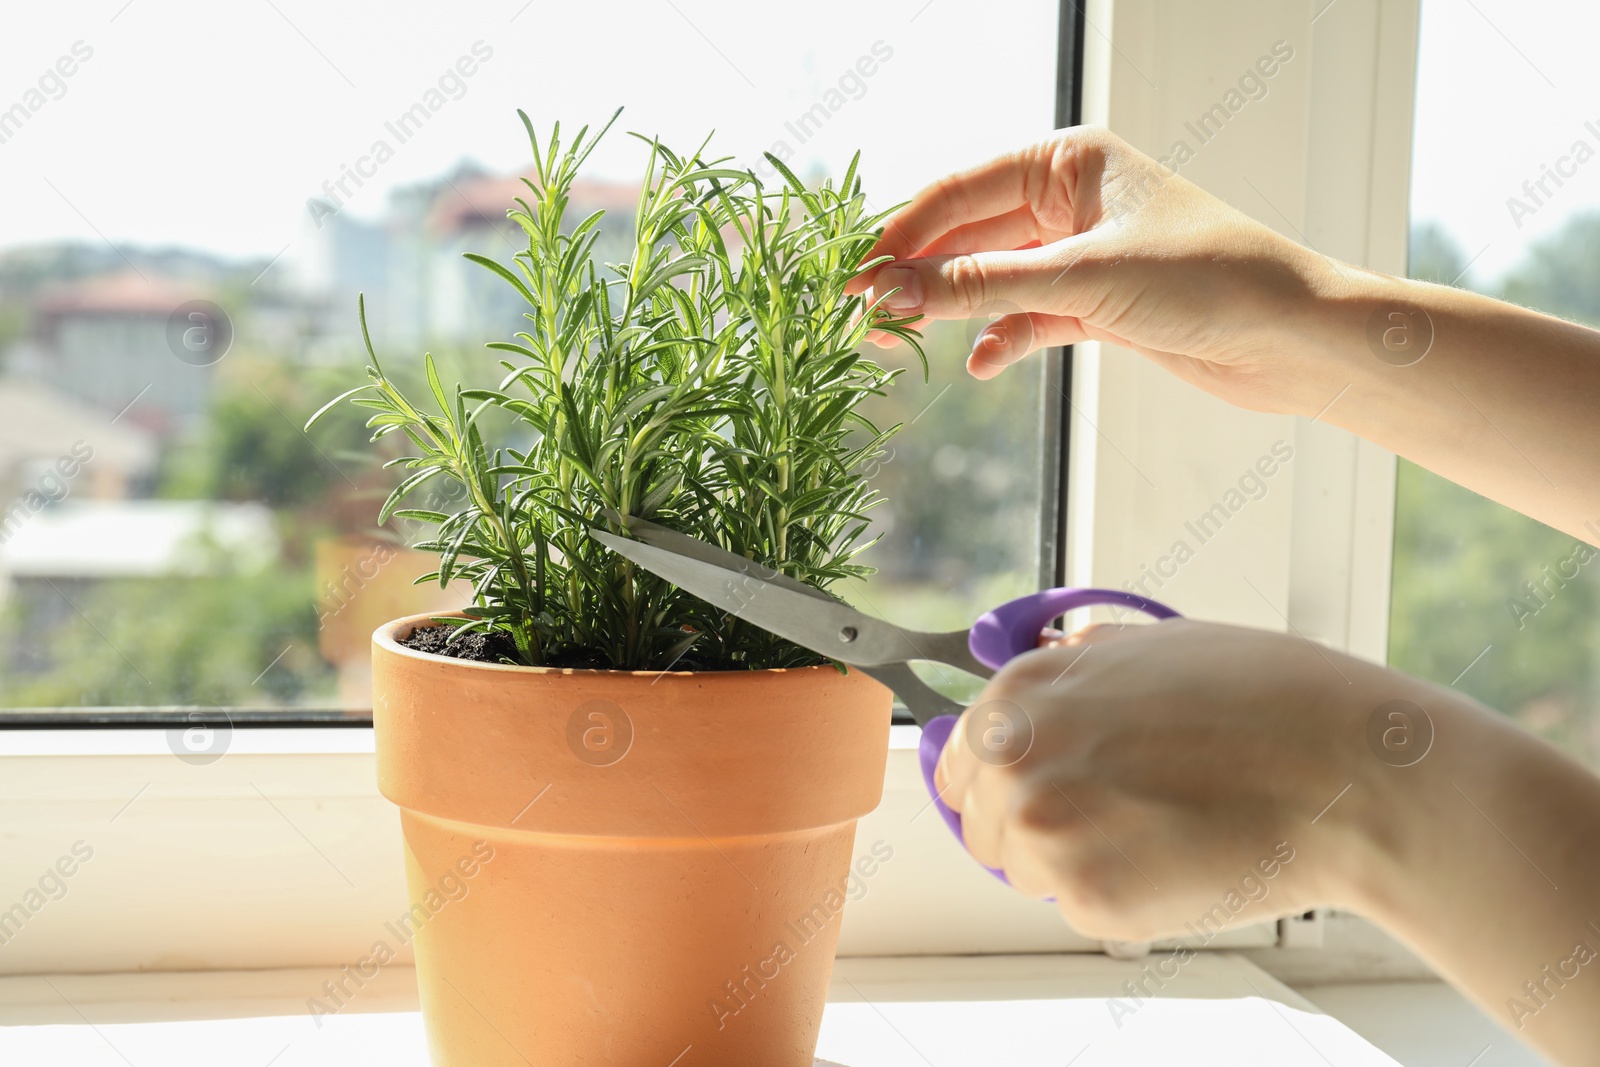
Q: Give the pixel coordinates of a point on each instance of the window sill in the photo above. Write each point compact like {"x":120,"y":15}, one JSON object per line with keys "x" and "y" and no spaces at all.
{"x":153,"y":741}
{"x":250,"y":741}
{"x":1018,"y":1010}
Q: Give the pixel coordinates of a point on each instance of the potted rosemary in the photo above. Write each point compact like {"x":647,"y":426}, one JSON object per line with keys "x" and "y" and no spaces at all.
{"x":656,"y":802}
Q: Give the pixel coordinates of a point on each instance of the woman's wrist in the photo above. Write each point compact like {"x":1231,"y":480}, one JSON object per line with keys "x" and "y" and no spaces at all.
{"x":1362,"y":830}
{"x":1439,"y":787}
{"x":1322,"y":332}
{"x":1405,"y":745}
{"x":1399,"y":771}
{"x":1373,"y":347}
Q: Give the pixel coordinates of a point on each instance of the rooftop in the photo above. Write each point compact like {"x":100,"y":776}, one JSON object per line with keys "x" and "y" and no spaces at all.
{"x":124,"y":292}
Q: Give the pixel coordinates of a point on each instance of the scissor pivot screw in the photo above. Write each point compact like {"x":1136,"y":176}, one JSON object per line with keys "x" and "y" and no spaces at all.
{"x":847,"y":634}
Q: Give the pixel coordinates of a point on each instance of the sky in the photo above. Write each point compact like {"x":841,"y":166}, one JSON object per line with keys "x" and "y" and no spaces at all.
{"x":1504,"y":88}
{"x":209,"y":125}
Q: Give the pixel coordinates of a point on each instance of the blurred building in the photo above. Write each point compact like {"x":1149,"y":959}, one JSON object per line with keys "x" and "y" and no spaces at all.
{"x":105,"y":341}
{"x":68,"y":547}
{"x":55,"y":446}
{"x":96,"y":539}
{"x":409,"y":263}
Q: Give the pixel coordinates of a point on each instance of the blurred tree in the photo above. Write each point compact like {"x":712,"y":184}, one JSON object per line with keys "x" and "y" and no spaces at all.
{"x":251,"y":445}
{"x":204,"y":639}
{"x":1435,"y":256}
{"x":1561,"y":274}
{"x":219,"y":640}
{"x":209,"y":639}
{"x":960,"y":482}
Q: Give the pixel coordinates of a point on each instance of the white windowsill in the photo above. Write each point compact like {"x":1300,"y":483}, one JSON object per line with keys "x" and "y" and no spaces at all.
{"x":1017,"y":1010}
{"x":245,"y":740}
{"x":152,"y":741}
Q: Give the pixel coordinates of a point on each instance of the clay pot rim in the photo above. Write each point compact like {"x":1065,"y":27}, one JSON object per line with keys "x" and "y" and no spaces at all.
{"x":385,"y":637}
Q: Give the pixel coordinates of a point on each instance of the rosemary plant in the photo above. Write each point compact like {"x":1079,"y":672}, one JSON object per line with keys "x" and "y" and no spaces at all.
{"x":712,"y":384}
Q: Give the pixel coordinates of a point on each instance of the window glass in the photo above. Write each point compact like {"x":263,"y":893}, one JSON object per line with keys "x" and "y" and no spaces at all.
{"x":197,"y":193}
{"x":1506,"y":201}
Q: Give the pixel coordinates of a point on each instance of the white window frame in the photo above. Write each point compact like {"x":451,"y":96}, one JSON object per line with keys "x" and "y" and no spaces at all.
{"x":282,"y":854}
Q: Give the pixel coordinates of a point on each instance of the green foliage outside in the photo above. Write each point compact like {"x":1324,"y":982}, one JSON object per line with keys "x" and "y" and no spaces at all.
{"x":242,"y":452}
{"x":961,"y":484}
{"x":207,"y":639}
{"x":229,"y":639}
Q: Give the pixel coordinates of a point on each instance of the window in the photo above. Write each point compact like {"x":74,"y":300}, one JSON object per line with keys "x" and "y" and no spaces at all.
{"x":1499,"y":605}
{"x":179,"y":294}
{"x":218,"y":150}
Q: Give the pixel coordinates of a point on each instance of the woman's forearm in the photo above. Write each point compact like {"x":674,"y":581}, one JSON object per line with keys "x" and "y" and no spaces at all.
{"x":1490,"y":870}
{"x":1500,"y":399}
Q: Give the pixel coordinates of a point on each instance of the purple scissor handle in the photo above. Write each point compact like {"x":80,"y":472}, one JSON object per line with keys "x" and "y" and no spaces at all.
{"x":1000,"y":636}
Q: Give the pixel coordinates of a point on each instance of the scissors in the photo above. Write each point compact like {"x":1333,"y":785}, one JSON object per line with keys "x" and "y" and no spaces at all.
{"x":829,"y":627}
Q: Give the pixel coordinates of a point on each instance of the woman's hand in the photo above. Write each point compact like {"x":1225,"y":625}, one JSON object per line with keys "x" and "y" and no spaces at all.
{"x":1080,"y":236}
{"x":1141,"y":774}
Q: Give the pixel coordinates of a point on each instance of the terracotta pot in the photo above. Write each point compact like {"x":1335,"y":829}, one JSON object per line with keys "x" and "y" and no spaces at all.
{"x":610,"y":867}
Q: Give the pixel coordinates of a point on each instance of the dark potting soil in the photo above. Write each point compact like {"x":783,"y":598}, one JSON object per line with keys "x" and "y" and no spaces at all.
{"x":495,"y":646}
{"x":492,"y":647}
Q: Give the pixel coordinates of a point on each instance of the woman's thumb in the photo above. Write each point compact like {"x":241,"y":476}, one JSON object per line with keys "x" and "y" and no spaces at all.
{"x":1046,"y":280}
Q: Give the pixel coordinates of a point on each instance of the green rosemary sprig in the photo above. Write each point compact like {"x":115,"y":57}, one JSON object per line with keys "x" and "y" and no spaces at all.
{"x":711,"y":383}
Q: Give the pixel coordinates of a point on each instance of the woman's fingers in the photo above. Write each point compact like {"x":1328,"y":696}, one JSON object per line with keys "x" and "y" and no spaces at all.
{"x":966,"y":196}
{"x":962,"y":786}
{"x":983,"y":820}
{"x":953,"y":771}
{"x":1126,"y":252}
{"x":1057,"y":279}
{"x":990,"y":189}
{"x":1009,"y":231}
{"x":1027,"y":857}
{"x":1011,"y":337}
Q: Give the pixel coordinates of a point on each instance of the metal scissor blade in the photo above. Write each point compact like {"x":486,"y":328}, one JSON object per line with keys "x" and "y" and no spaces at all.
{"x":684,"y":545}
{"x":923,"y":701}
{"x":822,"y":624}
